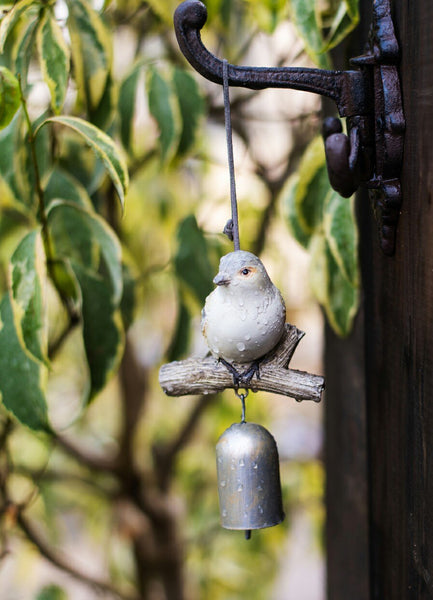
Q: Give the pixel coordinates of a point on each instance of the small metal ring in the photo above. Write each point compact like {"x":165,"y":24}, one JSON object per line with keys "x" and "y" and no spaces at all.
{"x":241,"y":395}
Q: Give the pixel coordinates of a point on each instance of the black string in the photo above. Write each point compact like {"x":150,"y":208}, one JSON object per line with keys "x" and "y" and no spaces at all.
{"x":231,"y":229}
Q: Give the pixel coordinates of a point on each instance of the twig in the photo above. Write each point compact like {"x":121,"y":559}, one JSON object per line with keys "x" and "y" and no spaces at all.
{"x":59,"y":561}
{"x":165,"y":456}
{"x":92,"y":461}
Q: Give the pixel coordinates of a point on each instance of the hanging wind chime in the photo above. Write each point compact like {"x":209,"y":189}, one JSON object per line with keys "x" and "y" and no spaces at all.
{"x":243,"y":322}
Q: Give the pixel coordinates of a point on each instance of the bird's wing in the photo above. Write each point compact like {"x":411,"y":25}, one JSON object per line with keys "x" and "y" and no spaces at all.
{"x":203,"y":320}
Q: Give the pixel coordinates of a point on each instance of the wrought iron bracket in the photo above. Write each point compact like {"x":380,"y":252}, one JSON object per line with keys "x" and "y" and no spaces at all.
{"x":369,"y":96}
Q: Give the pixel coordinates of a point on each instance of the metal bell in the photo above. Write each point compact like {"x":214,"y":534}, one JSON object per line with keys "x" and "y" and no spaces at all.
{"x":248,"y":478}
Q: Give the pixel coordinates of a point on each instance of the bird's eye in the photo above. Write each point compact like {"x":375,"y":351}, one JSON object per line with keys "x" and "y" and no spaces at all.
{"x":245,"y":271}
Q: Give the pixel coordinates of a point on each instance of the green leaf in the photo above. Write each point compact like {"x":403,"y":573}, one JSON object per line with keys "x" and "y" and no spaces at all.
{"x":342,"y":24}
{"x":305,"y":17}
{"x":22,"y":51}
{"x":335,"y":293}
{"x":353,"y":9}
{"x":8,"y":137}
{"x":103,"y":333}
{"x":126,"y":103}
{"x":163,"y":108}
{"x":191,"y":261}
{"x":66,"y":284}
{"x":318,"y":273}
{"x":80,"y":161}
{"x":267,"y":14}
{"x":342,"y":235}
{"x":342,"y":298}
{"x":23,"y":380}
{"x":27,"y":275}
{"x":180,"y":340}
{"x":52,"y":592}
{"x":53,"y":59}
{"x":104,"y":113}
{"x":8,"y":199}
{"x":104,"y":147}
{"x":313,"y":186}
{"x":191,"y":104}
{"x":86,"y":239}
{"x":61,"y":185}
{"x":91,"y":51}
{"x":164,"y":9}
{"x":288,"y":195}
{"x":89,"y":248}
{"x":9,"y":96}
{"x":11,"y":18}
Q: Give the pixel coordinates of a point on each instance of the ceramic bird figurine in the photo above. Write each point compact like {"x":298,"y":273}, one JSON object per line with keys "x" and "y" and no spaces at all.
{"x":244,"y":317}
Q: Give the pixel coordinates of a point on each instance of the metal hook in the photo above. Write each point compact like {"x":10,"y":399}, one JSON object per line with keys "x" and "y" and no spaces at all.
{"x":369,"y":97}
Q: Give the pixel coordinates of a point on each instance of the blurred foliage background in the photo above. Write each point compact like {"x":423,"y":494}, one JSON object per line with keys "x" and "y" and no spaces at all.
{"x":113,"y":196}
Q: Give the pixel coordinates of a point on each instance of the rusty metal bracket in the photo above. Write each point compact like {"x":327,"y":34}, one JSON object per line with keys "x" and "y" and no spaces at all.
{"x":369,"y":96}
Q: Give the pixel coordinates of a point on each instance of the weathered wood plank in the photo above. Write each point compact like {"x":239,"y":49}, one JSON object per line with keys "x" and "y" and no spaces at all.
{"x":399,"y":343}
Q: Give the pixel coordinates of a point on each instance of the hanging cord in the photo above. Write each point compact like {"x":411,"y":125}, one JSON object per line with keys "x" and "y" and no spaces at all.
{"x":232,"y":227}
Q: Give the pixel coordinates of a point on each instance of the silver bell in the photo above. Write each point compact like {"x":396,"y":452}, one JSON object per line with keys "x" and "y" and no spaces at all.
{"x":248,"y":478}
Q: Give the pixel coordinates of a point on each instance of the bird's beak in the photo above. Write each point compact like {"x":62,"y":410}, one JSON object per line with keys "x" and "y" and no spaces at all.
{"x":221,"y":279}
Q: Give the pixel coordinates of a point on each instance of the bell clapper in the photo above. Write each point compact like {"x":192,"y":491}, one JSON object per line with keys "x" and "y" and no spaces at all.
{"x":248,"y":534}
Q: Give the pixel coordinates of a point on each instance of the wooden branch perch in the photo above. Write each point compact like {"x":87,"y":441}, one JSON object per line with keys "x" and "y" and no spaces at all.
{"x":208,"y":376}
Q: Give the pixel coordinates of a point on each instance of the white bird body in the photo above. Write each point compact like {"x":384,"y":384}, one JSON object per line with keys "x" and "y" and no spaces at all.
{"x":243,"y":318}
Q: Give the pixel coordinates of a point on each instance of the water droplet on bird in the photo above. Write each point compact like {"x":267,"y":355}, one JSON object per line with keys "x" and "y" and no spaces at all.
{"x":243,"y":316}
{"x":242,"y":462}
{"x":247,"y":337}
{"x":223,"y":483}
{"x":241,"y":302}
{"x":240,"y":346}
{"x":224,"y":513}
{"x":240,"y":487}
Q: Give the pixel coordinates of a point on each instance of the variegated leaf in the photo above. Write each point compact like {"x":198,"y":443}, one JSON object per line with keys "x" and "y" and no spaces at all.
{"x":341,"y":26}
{"x":191,"y":104}
{"x":103,"y":332}
{"x":27,"y":282}
{"x":164,"y":109}
{"x":288,"y":195}
{"x":91,"y":51}
{"x":10,"y":99}
{"x":23,"y":377}
{"x":12,"y":17}
{"x":353,"y":9}
{"x":341,"y":234}
{"x":22,"y":51}
{"x":342,"y":298}
{"x":305,"y":16}
{"x":104,"y":147}
{"x":126,"y":103}
{"x":61,"y":185}
{"x":313,"y":186}
{"x":85,"y":238}
{"x":53,"y":59}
